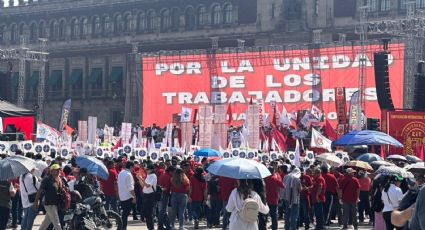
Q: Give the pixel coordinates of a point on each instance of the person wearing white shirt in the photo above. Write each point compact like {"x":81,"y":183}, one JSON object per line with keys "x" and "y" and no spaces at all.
{"x":149,"y":199}
{"x":391,"y":196}
{"x":126,"y":191}
{"x":40,"y":165}
{"x":28,"y":185}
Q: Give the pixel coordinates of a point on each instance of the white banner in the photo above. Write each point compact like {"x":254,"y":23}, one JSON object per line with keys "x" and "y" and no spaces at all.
{"x":82,"y":131}
{"x":320,"y":141}
{"x":186,"y":114}
{"x":126,"y":132}
{"x":92,"y":127}
{"x":253,"y":125}
{"x":206,"y":117}
{"x":47,"y":133}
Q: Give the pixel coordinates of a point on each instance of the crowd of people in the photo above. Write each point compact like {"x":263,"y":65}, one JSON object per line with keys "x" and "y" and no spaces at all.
{"x":169,"y":194}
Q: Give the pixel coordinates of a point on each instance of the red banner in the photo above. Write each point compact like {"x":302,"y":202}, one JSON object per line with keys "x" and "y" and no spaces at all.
{"x":170,"y":82}
{"x":22,"y":125}
{"x":406,"y":127}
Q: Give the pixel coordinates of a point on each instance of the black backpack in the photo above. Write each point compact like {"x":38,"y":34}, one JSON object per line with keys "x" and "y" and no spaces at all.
{"x":377,"y":203}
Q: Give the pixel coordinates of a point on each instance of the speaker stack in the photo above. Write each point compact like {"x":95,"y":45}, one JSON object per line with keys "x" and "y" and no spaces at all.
{"x":382,"y":81}
{"x":419,"y":92}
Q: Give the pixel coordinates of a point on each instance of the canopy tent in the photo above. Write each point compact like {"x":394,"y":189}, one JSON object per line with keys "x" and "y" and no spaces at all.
{"x":22,"y":119}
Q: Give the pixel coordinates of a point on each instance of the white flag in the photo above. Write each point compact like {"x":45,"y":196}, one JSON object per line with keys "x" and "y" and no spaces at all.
{"x":284,"y":118}
{"x":320,"y":141}
{"x":297,"y":161}
{"x":186,"y":114}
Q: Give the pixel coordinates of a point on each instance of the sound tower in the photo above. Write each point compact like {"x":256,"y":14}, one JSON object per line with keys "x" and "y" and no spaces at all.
{"x":382,"y":81}
{"x":419,"y":92}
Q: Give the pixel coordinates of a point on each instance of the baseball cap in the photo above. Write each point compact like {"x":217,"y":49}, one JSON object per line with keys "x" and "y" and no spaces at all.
{"x":398,"y":177}
{"x":350,"y":170}
{"x":55,"y":167}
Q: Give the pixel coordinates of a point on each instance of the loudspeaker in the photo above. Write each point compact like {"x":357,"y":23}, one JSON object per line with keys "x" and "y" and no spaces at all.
{"x":382,"y":81}
{"x":419,"y":98}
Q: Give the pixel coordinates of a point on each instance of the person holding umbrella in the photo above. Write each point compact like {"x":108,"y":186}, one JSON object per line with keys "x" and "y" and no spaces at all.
{"x":238,"y":200}
{"x":7,"y":191}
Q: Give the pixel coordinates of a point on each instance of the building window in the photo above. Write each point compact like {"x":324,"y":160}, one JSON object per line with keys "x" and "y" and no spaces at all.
{"x":97,"y":26}
{"x":151,"y":21}
{"x":385,"y":5}
{"x":215,"y":14}
{"x":33,"y":32}
{"x":62,"y":29}
{"x":2,"y":30}
{"x":228,"y":13}
{"x":201,"y":16}
{"x":74,"y":28}
{"x":41,"y":30}
{"x":107,"y":25}
{"x":141,"y":22}
{"x":273,"y":9}
{"x":420,"y":3}
{"x":119,"y":24}
{"x":129,"y":23}
{"x":13,"y":33}
{"x":165,"y":20}
{"x":175,"y":19}
{"x":373,"y":5}
{"x":292,"y":9}
{"x":54,"y":29}
{"x":84,"y":26}
{"x":189,"y":19}
{"x":316,"y":7}
{"x":21,"y":29}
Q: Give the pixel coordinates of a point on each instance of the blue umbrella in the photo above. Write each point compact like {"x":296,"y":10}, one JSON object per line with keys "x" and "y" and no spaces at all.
{"x":208,"y":153}
{"x":93,"y":166}
{"x":369,"y":157}
{"x":367,"y":137}
{"x":239,"y":168}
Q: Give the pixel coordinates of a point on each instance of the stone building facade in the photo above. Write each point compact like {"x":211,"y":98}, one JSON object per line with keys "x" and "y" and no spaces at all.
{"x":89,"y":41}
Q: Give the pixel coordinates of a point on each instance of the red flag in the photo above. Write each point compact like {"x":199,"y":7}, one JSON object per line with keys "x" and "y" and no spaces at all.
{"x":382,"y":152}
{"x":117,"y":145}
{"x":279,"y":137}
{"x":195,"y":113}
{"x":373,"y":149}
{"x":330,"y":131}
{"x":69,"y":129}
{"x":250,"y":100}
{"x":229,"y":114}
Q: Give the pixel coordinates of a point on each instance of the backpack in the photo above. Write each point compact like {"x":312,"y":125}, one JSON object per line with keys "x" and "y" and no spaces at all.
{"x":157,"y":193}
{"x":64,"y":197}
{"x":377,"y":203}
{"x":249,"y":210}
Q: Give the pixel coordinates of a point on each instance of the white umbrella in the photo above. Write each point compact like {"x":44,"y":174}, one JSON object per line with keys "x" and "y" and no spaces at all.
{"x":330,"y":158}
{"x":416,"y":167}
{"x":13,"y":167}
{"x":396,"y":157}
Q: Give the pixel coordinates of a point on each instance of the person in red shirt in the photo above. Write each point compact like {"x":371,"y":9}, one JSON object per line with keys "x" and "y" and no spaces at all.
{"x":331,"y":193}
{"x":198,"y":194}
{"x":318,"y":197}
{"x":110,"y":187}
{"x":273,"y":186}
{"x":306,"y":185}
{"x":164,"y":182}
{"x":349,"y":191}
{"x":226,"y":186}
{"x":364,"y":205}
{"x":180,"y":196}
